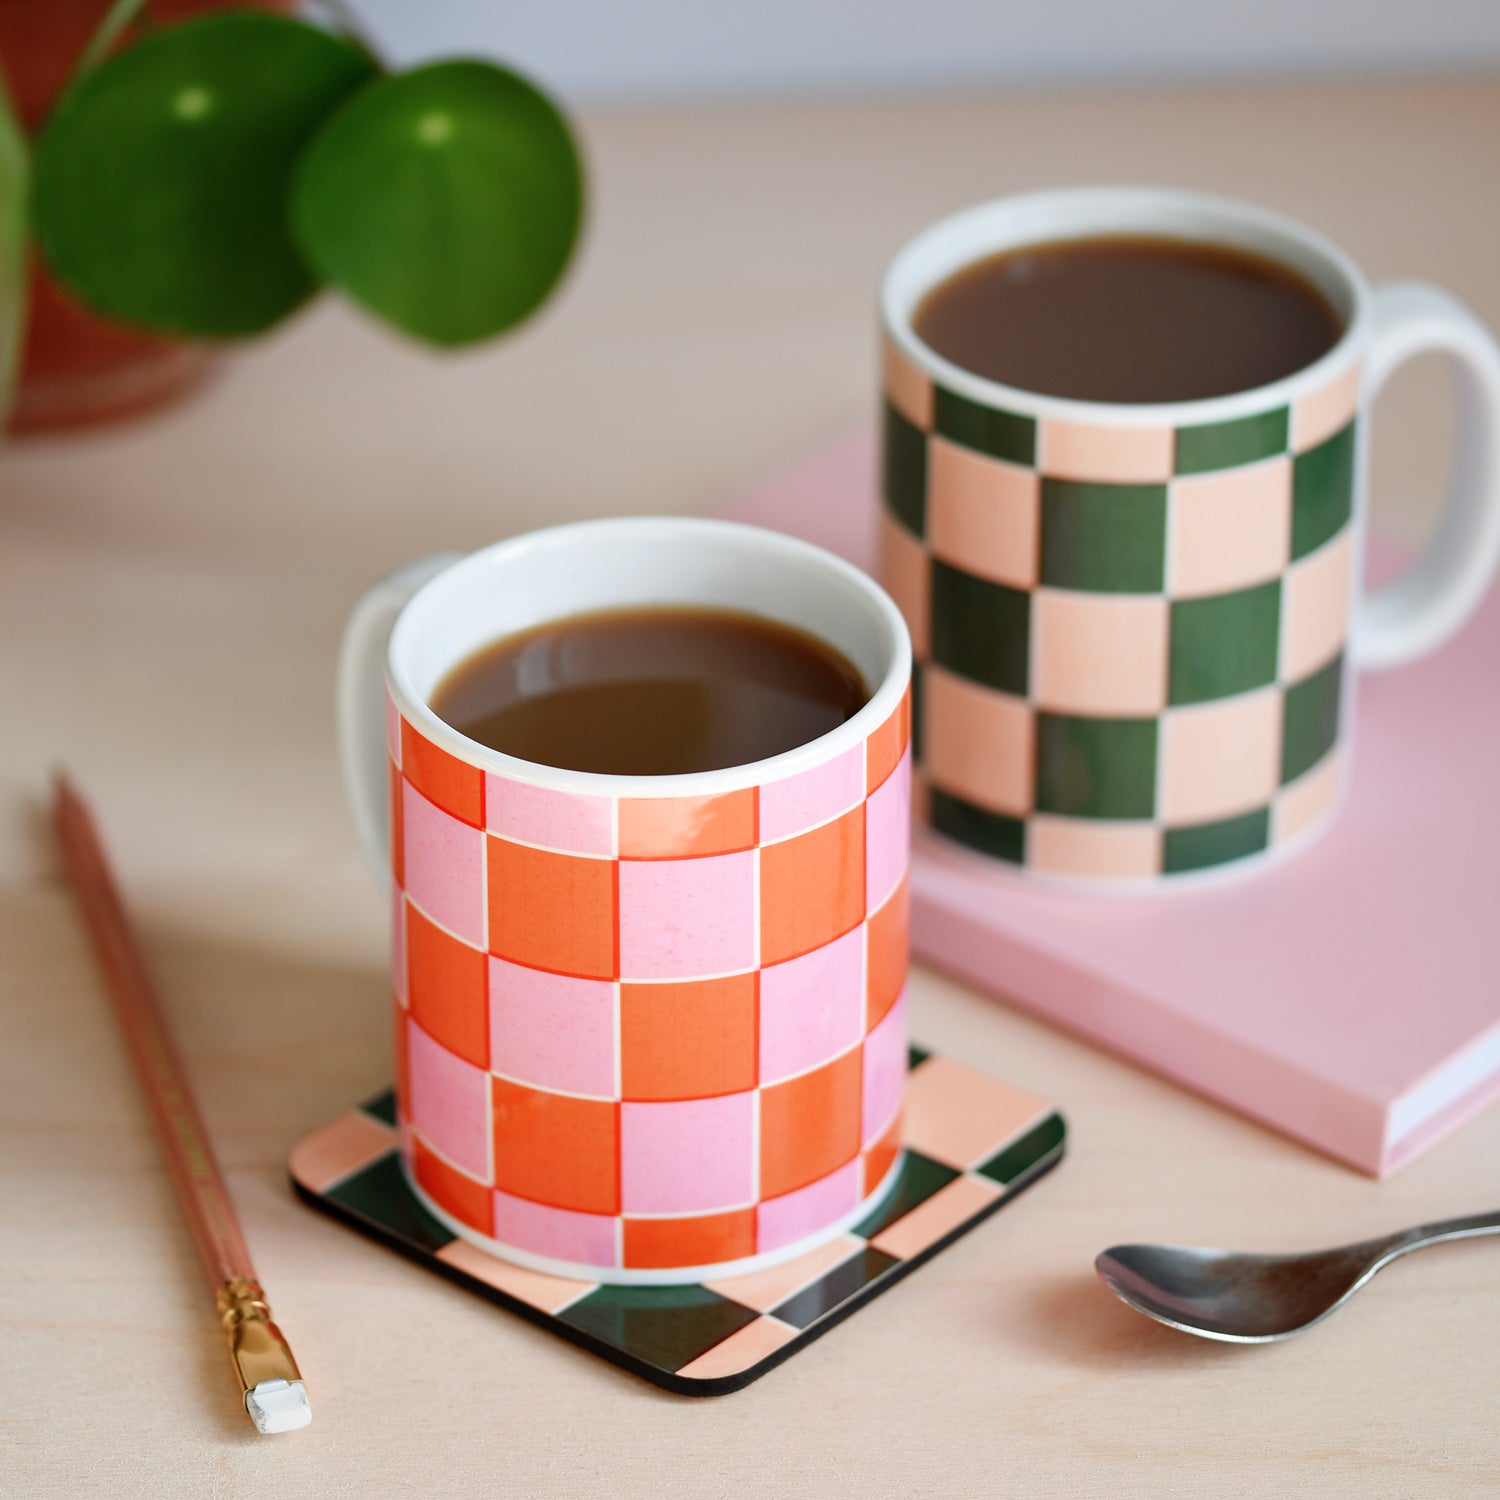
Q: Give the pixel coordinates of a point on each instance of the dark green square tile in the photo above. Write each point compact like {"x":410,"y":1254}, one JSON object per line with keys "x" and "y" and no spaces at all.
{"x":916,"y":1056}
{"x":828,"y":1292}
{"x":382,"y":1107}
{"x":1018,"y":1158}
{"x":1001,"y":434}
{"x":989,"y":832}
{"x":904,"y":471}
{"x":1105,"y":538}
{"x":1227,"y":445}
{"x":1225,"y":644}
{"x":379,"y":1192}
{"x":1310,"y":720}
{"x":669,"y":1326}
{"x":1205,"y":844}
{"x":1095,"y":768}
{"x":1322,"y":492}
{"x":920,"y":1177}
{"x":981,"y":630}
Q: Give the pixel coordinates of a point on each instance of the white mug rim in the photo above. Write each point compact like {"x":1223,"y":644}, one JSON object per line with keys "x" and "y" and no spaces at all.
{"x":885,"y":697}
{"x":1149,"y":210}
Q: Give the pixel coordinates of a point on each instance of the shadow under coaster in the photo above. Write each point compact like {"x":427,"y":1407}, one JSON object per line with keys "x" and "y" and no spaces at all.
{"x":971,"y":1144}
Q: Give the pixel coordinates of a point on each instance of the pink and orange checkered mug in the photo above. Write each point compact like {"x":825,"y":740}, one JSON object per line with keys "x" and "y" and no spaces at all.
{"x":648,"y":1029}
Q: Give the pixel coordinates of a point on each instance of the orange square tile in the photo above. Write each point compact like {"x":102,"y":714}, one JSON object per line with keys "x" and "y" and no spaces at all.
{"x":1099,"y":654}
{"x":656,"y":1244}
{"x":682,"y":827}
{"x":887,"y":744}
{"x":402,"y":1066}
{"x":809,"y":1125}
{"x":888,"y":952}
{"x":977,"y":743}
{"x":469,"y":1202}
{"x":1220,"y":758}
{"x":445,"y":987}
{"x":812,"y":887}
{"x":553,"y":911}
{"x":881,"y":1157}
{"x":689,"y":1040}
{"x":453,"y":784}
{"x":557,"y":1149}
{"x":397,"y":826}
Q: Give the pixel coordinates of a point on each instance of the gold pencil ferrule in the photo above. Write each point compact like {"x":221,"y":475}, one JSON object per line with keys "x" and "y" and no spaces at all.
{"x":256,"y":1344}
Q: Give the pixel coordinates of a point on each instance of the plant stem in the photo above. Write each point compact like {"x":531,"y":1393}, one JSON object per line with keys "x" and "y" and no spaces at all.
{"x":116,"y":19}
{"x":15,"y":172}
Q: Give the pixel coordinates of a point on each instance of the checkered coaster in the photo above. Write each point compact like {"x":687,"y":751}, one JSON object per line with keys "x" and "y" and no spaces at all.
{"x":1129,"y":641}
{"x":971,"y":1145}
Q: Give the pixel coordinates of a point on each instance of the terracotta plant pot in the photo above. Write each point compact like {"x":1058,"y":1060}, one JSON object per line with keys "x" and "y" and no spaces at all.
{"x":78,"y":369}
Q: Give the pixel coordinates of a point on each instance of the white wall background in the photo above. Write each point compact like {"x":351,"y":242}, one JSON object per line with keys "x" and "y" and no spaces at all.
{"x":631,"y":50}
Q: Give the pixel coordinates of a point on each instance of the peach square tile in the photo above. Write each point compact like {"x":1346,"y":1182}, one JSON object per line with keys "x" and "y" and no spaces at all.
{"x":983,"y":515}
{"x":976,"y":743}
{"x":942,"y":1213}
{"x":961,"y":1117}
{"x":1099,"y":653}
{"x":1231,"y":529}
{"x":352,"y":1141}
{"x":549,"y":1293}
{"x":751,"y":1344}
{"x":1221,"y":758}
{"x":764,"y":1290}
{"x":1324,"y":412}
{"x":1107,"y":455}
{"x":906,"y":387}
{"x":1307,"y":800}
{"x":1093,"y":849}
{"x":905,"y":576}
{"x":1316,"y":606}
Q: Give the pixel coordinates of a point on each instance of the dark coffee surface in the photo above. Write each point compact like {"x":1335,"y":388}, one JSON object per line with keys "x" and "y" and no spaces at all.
{"x":1128,"y":319}
{"x":651,"y":691}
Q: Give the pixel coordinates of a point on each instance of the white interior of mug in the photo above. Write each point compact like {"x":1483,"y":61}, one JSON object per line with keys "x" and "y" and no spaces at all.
{"x":654,"y":560}
{"x":1083,"y":213}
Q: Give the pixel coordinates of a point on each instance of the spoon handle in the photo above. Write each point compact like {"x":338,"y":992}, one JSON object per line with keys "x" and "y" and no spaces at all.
{"x":1420,"y":1235}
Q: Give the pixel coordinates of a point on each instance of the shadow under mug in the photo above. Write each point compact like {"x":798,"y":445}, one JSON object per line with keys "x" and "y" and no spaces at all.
{"x":1134,"y":625}
{"x":648,"y":1029}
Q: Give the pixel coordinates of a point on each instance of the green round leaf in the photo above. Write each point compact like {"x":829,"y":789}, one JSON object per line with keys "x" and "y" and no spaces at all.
{"x":446,"y":200}
{"x":162,"y":178}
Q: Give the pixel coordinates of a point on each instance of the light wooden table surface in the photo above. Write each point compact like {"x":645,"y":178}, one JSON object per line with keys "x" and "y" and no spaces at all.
{"x":170,"y":600}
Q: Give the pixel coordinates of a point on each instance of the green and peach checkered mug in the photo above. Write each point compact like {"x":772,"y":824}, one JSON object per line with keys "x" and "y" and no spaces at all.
{"x":1134,"y":625}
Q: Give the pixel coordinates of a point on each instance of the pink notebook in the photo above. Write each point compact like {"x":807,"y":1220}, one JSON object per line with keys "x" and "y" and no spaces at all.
{"x":1350,"y":997}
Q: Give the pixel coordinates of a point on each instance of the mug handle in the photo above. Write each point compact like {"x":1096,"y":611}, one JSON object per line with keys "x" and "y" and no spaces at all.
{"x":1418,"y":611}
{"x":361,"y":699}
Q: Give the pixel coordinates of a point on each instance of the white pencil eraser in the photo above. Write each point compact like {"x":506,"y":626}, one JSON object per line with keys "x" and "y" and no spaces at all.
{"x":278,"y":1406}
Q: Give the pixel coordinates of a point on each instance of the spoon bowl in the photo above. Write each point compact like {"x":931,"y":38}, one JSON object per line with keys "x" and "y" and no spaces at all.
{"x":1258,"y":1299}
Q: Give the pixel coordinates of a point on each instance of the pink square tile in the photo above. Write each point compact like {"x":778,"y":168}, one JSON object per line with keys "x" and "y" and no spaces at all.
{"x":906,"y":387}
{"x":1309,"y":799}
{"x":393,"y":730}
{"x":687,"y":918}
{"x":561,"y":1233}
{"x":398,"y":942}
{"x":1318,"y":416}
{"x":794,"y":1216}
{"x":1093,"y":849}
{"x":811,"y":1008}
{"x":976,"y":743}
{"x":450,"y":1102}
{"x":1229,"y":530}
{"x":1316,"y":608}
{"x":887,"y":833}
{"x":1221,"y":758}
{"x":885,"y":1074}
{"x":983,"y":515}
{"x":1099,"y":653}
{"x":552,"y":1030}
{"x":802,"y":802}
{"x":905,"y":576}
{"x":687,"y":1155}
{"x":551,"y":819}
{"x":1109,"y":455}
{"x":444,"y":866}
